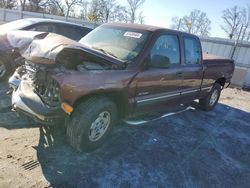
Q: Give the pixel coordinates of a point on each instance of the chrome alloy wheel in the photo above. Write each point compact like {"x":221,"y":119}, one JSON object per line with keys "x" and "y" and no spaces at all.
{"x":100,"y":126}
{"x":213,"y":98}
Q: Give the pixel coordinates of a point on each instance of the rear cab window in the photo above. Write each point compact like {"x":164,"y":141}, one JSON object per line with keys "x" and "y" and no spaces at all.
{"x":192,"y":50}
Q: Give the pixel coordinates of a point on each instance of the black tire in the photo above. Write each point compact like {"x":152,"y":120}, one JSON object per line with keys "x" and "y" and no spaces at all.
{"x":5,"y":68}
{"x":210,"y":101}
{"x":84,"y":116}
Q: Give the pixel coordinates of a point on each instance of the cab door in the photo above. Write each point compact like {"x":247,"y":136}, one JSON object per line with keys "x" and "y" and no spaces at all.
{"x":159,"y":84}
{"x":192,"y":68}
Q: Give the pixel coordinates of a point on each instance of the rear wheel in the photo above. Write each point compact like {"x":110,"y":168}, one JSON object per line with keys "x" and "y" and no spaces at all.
{"x":210,"y":101}
{"x":91,"y":123}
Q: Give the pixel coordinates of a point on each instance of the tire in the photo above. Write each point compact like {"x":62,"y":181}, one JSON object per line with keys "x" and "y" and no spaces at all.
{"x":5,"y":68}
{"x":80,"y":128}
{"x":210,"y":101}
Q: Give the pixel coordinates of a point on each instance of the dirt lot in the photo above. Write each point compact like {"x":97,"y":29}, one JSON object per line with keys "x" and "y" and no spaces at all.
{"x":191,"y":149}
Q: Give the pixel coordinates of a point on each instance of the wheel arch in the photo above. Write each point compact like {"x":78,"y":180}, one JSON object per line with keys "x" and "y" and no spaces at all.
{"x":221,"y":81}
{"x":117,"y":97}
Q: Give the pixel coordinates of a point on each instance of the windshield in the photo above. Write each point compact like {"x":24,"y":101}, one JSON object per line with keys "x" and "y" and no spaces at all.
{"x":15,"y":25}
{"x":122,"y":43}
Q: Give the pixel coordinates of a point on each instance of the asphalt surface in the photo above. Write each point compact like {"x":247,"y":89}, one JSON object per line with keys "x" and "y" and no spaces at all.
{"x":191,"y":149}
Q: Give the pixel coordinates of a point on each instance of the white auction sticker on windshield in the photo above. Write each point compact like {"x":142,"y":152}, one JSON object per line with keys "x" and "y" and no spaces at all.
{"x":133,"y":34}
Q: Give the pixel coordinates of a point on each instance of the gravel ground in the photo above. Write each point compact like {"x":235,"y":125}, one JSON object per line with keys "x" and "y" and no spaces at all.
{"x":191,"y":149}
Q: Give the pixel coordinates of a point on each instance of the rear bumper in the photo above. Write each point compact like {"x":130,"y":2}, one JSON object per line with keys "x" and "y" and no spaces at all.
{"x":25,"y":100}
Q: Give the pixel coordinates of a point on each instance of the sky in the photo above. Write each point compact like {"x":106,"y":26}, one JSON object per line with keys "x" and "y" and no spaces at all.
{"x":160,"y":12}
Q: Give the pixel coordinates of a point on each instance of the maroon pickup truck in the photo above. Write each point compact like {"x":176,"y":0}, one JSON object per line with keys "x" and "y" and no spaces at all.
{"x":117,"y":71}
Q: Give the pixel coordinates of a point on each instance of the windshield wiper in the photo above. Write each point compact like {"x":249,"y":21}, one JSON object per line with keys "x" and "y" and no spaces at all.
{"x":104,"y":51}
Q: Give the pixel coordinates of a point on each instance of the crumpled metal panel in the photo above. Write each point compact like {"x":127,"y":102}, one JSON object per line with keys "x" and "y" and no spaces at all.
{"x":16,"y":40}
{"x":44,"y":48}
{"x":38,"y":47}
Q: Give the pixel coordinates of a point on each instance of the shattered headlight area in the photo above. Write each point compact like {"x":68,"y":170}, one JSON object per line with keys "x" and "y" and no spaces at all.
{"x":35,"y":92}
{"x":46,"y":87}
{"x":41,"y":80}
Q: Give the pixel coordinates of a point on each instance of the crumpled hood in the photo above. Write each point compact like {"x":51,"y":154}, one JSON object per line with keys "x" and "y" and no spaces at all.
{"x":16,"y":40}
{"x":42,"y":47}
{"x":45,"y":48}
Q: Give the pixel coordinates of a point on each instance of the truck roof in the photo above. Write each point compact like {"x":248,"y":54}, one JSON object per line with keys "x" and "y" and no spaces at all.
{"x":145,"y":27}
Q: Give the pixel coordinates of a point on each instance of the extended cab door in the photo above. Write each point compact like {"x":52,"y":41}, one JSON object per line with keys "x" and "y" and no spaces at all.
{"x":192,"y":68}
{"x":159,"y":84}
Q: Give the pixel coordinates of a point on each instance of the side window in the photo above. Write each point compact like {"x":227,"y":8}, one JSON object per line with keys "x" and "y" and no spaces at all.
{"x":192,"y":51}
{"x":43,"y":27}
{"x":165,"y":52}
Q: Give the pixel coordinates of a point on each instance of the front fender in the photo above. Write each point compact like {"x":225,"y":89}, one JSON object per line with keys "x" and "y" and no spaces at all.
{"x":76,"y":85}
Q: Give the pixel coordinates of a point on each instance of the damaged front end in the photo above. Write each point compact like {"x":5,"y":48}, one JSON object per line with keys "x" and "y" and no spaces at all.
{"x":35,"y":91}
{"x":36,"y":94}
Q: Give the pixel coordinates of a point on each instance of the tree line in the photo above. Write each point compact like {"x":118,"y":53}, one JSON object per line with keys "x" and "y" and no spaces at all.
{"x":235,"y":20}
{"x":235,"y":23}
{"x":93,"y":10}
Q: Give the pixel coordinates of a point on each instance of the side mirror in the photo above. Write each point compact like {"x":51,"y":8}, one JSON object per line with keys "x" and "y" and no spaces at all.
{"x":159,"y":61}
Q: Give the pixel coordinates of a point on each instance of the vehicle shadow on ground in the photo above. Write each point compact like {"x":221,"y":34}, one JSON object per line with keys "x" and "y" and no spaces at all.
{"x":191,"y":149}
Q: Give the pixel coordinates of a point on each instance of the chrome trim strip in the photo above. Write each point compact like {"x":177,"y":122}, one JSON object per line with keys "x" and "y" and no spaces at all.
{"x":191,"y":91}
{"x":156,"y":98}
{"x":172,"y":95}
{"x":205,"y":88}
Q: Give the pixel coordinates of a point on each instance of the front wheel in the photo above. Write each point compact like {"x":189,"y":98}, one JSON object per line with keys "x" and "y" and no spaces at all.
{"x":210,"y":101}
{"x":91,"y":123}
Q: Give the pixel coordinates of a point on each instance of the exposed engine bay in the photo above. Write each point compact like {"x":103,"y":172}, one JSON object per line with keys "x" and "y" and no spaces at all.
{"x":40,"y":76}
{"x":80,"y":61}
